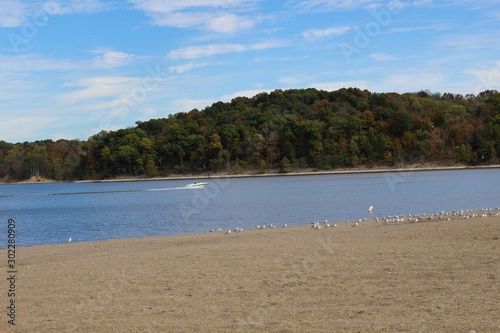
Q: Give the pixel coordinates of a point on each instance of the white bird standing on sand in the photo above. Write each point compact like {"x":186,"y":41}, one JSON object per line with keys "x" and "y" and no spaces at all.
{"x":68,"y":240}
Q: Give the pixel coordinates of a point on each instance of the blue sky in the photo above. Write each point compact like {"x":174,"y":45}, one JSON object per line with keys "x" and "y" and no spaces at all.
{"x":69,"y":69}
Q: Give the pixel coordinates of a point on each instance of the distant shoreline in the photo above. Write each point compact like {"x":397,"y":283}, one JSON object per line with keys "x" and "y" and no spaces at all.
{"x":305,"y":172}
{"x":298,"y":173}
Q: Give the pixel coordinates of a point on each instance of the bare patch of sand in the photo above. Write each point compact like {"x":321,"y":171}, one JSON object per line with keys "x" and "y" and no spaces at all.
{"x":430,"y":276}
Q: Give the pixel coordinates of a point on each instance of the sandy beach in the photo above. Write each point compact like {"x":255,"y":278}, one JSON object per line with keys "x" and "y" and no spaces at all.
{"x":430,"y":276}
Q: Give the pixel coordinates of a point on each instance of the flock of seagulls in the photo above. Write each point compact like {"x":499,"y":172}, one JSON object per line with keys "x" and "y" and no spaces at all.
{"x":445,"y":216}
{"x":440,"y":216}
{"x":237,"y":229}
{"x":317,"y":225}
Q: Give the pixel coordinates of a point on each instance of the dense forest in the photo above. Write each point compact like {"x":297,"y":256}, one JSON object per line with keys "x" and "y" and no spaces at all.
{"x":279,"y":131}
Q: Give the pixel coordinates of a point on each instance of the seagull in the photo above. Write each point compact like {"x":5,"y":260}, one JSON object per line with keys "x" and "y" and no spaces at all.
{"x":68,"y":240}
{"x":370,"y":209}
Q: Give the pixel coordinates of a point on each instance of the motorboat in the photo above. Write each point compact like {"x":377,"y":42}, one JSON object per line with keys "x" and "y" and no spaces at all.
{"x":197,"y":185}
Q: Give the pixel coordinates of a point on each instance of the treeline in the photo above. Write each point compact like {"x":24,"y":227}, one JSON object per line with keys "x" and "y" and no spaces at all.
{"x":282,"y":130}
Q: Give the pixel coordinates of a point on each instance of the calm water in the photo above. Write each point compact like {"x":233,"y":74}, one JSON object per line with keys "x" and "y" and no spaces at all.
{"x":51,"y":213}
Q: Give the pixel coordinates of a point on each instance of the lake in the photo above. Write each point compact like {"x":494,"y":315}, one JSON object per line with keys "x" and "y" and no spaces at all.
{"x":51,"y":213}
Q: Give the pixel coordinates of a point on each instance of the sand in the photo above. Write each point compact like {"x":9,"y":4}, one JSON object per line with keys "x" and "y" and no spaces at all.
{"x":430,"y":276}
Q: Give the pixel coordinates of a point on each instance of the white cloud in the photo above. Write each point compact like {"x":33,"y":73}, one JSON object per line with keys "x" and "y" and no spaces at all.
{"x":339,"y":5}
{"x":99,"y":87}
{"x":433,"y":27}
{"x":193,"y":52}
{"x":168,"y":6}
{"x":111,"y":59}
{"x":328,"y":5}
{"x":294,"y":80}
{"x":479,"y":40}
{"x":392,"y":5}
{"x":486,"y":78}
{"x":17,"y":13}
{"x":185,"y":68}
{"x":221,"y":16}
{"x":411,"y":81}
{"x":19,"y":128}
{"x":17,"y":87}
{"x":12,"y":13}
{"x":228,"y":22}
{"x":382,"y":57}
{"x":325,"y":33}
{"x":26,"y":63}
{"x":76,"y":6}
{"x":33,"y":62}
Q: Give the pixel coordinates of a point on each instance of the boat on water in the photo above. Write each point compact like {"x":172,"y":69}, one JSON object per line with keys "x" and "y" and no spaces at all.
{"x":197,"y":185}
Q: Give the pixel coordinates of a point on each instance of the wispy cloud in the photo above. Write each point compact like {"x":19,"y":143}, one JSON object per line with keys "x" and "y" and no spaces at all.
{"x":185,"y":68}
{"x":12,"y":13}
{"x":487,"y":78}
{"x":415,"y":81}
{"x":77,"y":6}
{"x":342,"y":5}
{"x":477,"y":40}
{"x":325,"y":33}
{"x":330,"y":5}
{"x":112,"y":59}
{"x":394,"y":5}
{"x":193,"y":52}
{"x":221,"y":16}
{"x":99,"y":87}
{"x":25,"y":63}
{"x":16,"y":13}
{"x":382,"y":56}
{"x":426,"y":27}
{"x":18,"y":128}
{"x":295,"y":80}
{"x":34,"y":63}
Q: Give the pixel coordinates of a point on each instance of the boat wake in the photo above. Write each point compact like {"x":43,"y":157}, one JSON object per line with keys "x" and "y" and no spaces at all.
{"x":193,"y":186}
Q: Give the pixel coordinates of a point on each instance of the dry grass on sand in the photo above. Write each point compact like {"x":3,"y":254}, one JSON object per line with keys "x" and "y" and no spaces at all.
{"x":430,"y":276}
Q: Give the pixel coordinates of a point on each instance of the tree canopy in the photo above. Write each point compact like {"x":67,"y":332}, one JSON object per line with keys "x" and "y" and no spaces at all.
{"x":278,"y":131}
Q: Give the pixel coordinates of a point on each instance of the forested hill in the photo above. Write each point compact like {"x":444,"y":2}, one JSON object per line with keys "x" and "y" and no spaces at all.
{"x":279,"y":131}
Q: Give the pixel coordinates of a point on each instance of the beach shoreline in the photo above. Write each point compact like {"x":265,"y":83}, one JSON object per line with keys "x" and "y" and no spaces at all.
{"x":434,"y":275}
